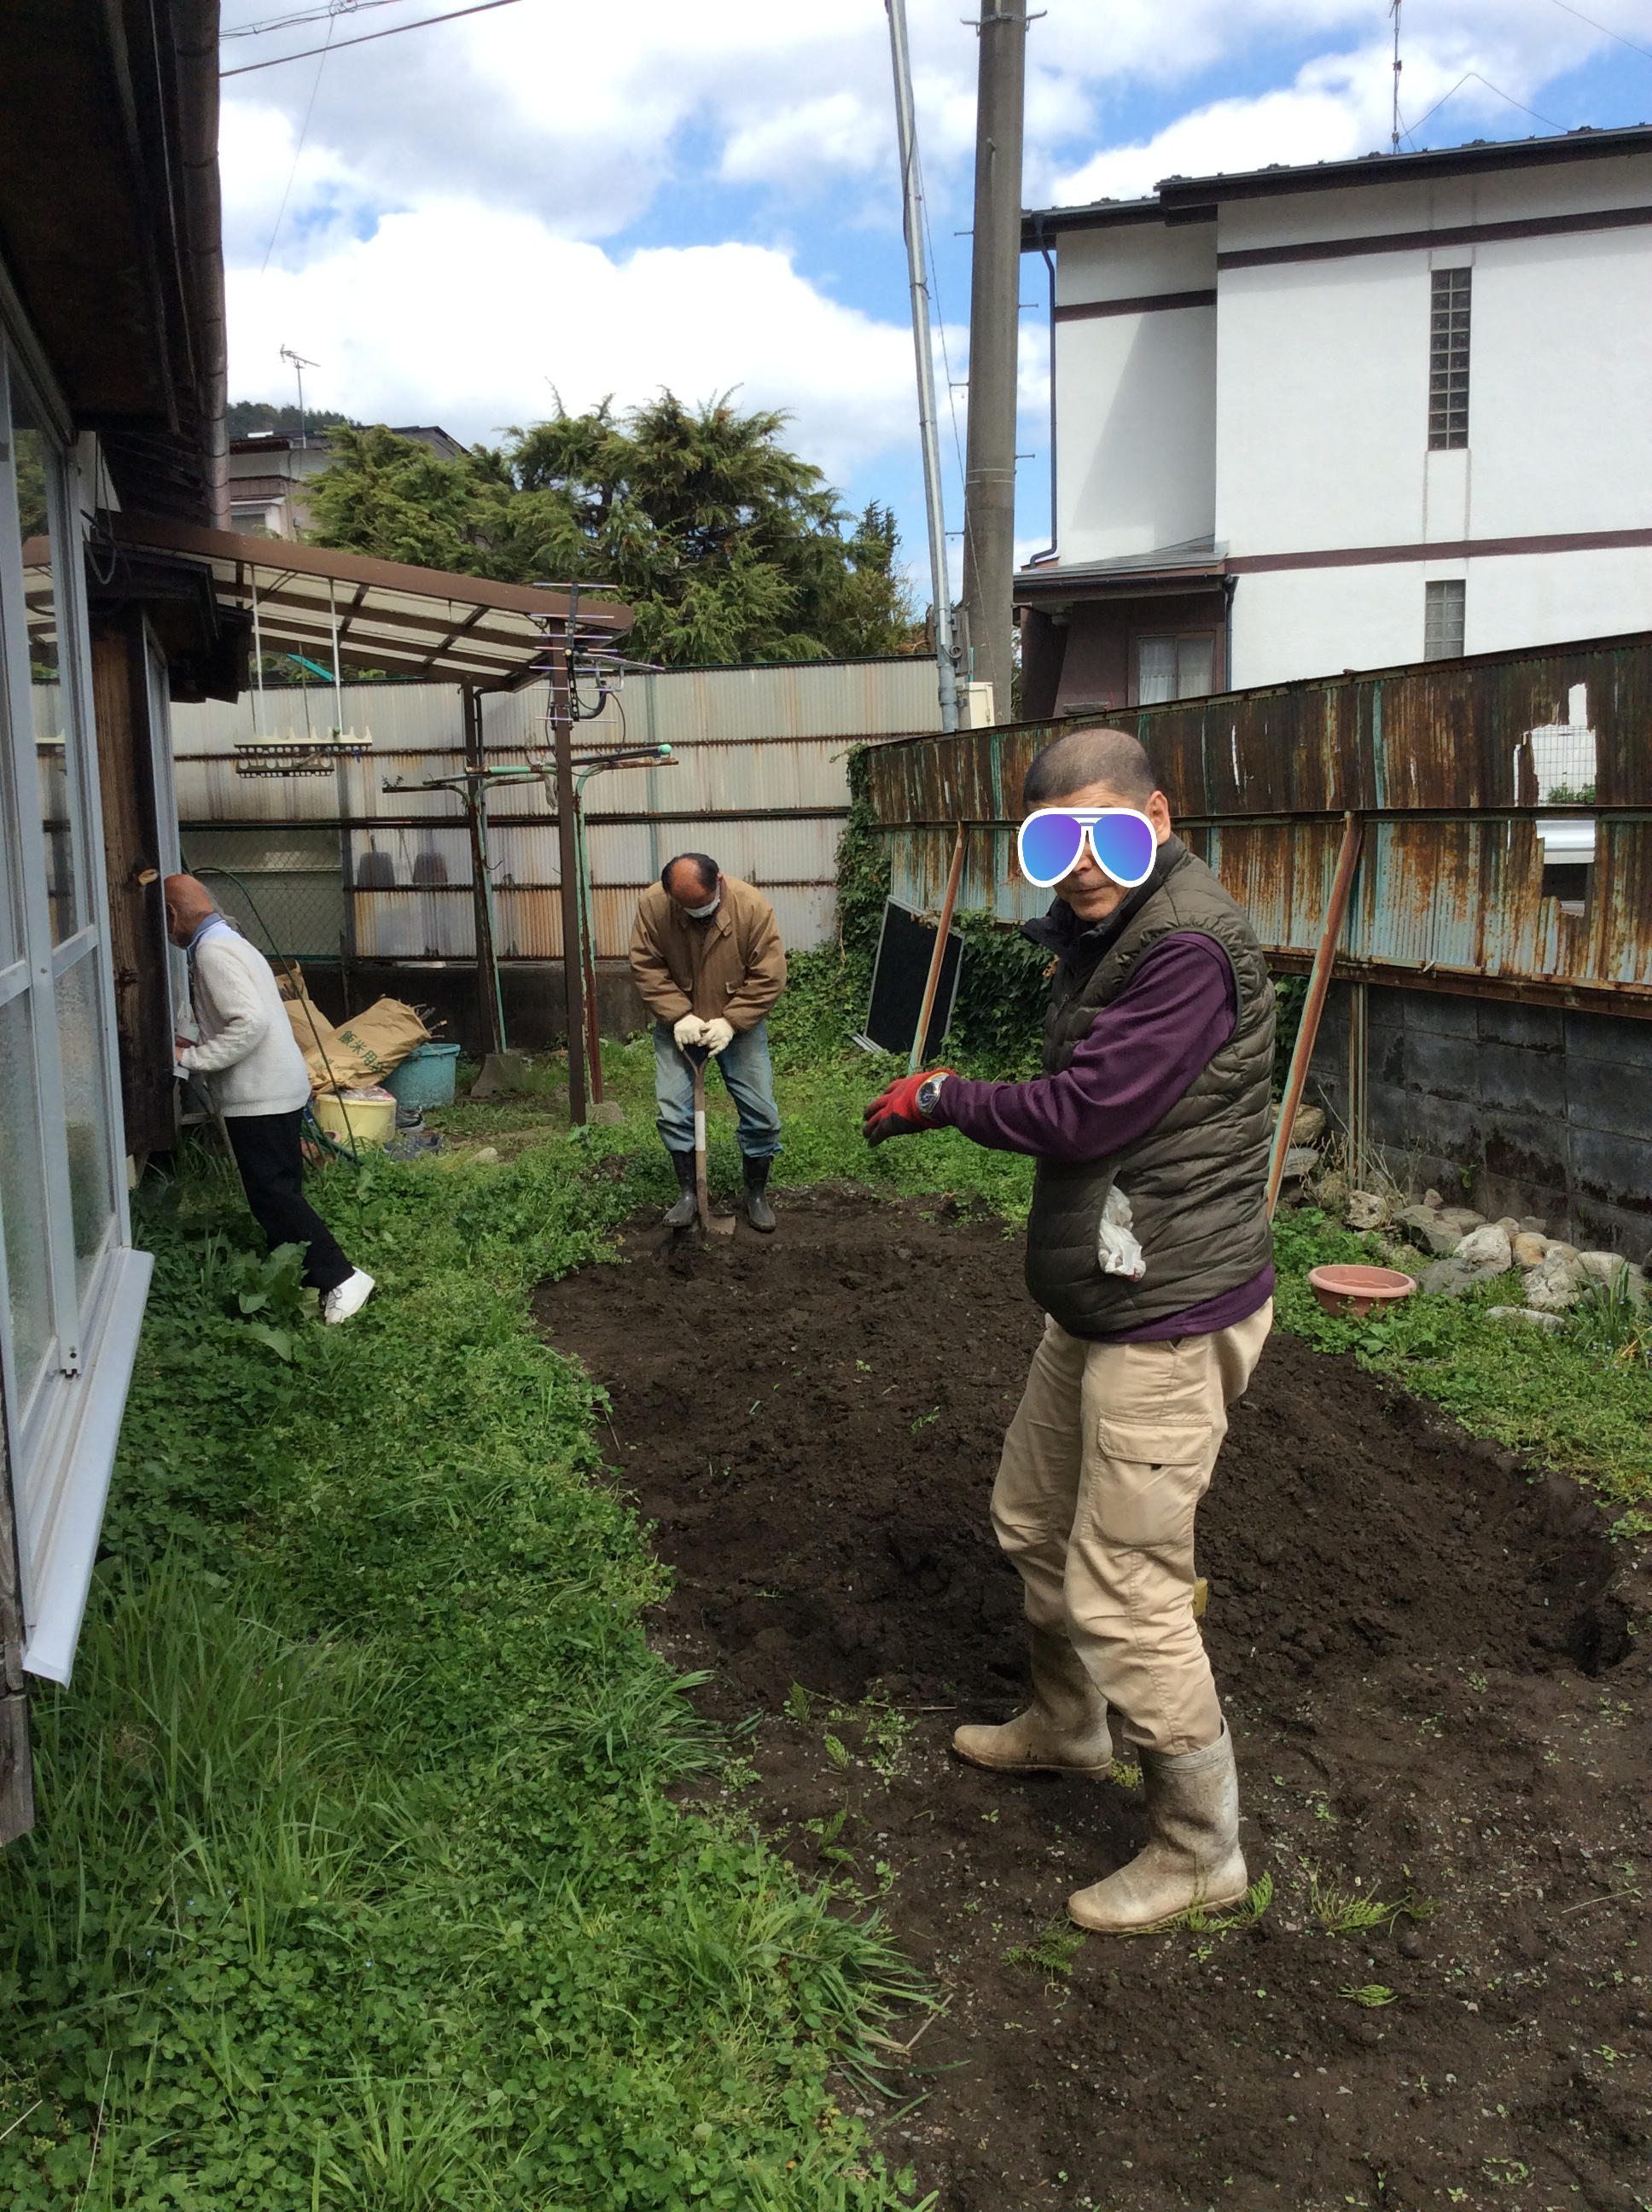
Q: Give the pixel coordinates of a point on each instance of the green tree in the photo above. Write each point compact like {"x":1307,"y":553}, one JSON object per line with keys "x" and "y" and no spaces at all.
{"x":730,"y":547}
{"x":244,"y":417}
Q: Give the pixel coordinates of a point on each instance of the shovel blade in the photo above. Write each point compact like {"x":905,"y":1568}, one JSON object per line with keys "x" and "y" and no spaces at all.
{"x":720,"y":1225}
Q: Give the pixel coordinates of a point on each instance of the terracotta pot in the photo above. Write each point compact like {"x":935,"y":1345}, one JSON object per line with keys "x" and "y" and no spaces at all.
{"x":1353,"y":1293}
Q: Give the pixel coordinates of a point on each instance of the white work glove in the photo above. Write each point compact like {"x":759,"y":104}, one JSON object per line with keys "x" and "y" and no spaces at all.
{"x":717,"y":1035}
{"x":689,"y":1030}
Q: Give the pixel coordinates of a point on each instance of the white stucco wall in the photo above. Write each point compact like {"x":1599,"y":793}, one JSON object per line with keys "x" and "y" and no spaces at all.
{"x":1322,"y":403}
{"x":1143,"y":473}
{"x":1560,"y":384}
{"x":1136,"y":393}
{"x":1316,"y":622}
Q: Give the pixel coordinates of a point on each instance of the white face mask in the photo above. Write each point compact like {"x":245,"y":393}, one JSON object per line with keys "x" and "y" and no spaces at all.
{"x":700,"y":912}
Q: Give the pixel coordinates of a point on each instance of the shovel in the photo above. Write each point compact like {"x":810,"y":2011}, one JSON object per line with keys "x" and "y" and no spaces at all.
{"x":718,"y":1224}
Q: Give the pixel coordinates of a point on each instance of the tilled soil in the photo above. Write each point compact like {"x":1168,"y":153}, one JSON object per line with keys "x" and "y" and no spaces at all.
{"x":1429,"y":1664}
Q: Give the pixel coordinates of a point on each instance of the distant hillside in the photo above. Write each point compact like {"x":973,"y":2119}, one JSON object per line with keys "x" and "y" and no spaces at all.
{"x":245,"y":417}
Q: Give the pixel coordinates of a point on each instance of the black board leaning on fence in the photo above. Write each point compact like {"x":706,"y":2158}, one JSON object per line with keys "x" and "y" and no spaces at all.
{"x":906,"y":945}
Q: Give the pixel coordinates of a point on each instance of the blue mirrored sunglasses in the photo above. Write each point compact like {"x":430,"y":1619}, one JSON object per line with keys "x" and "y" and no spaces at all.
{"x":1125,"y":843}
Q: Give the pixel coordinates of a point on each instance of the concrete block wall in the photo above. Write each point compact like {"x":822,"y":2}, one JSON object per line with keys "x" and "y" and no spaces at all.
{"x":1542,"y":1110}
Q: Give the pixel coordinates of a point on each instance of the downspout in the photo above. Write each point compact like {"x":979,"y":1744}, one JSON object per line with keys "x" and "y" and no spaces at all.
{"x":1048,"y":553}
{"x":197,"y":49}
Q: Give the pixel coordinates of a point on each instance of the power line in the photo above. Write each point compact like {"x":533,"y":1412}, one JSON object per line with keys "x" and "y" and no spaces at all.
{"x":366,"y":37}
{"x":292,"y":175}
{"x":1605,"y":29}
{"x":1474,"y":76}
{"x":308,"y":16}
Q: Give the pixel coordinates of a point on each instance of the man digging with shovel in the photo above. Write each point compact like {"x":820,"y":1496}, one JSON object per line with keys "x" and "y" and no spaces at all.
{"x":1148,"y":1249}
{"x":706,"y":956}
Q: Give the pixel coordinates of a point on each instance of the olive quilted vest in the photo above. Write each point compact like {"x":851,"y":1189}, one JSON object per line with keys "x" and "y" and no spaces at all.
{"x":1197,"y":1181}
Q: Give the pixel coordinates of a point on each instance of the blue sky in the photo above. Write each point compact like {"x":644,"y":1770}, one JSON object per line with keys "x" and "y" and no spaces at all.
{"x":549,"y":199}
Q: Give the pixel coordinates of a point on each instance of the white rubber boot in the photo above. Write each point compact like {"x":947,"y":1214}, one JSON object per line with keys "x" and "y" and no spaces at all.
{"x":1063,"y":1731}
{"x":1194,"y":1856}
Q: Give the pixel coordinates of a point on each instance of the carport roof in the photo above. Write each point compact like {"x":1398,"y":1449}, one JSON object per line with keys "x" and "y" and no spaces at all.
{"x":427,"y":623}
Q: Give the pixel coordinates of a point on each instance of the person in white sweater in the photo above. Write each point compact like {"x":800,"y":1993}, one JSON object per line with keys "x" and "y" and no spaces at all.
{"x":248,"y":1061}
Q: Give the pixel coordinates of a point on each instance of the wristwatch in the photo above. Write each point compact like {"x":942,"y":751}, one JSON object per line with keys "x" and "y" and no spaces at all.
{"x":929,"y":1096}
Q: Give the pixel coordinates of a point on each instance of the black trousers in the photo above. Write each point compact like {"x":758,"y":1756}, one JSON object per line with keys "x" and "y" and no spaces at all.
{"x":266,"y":1149}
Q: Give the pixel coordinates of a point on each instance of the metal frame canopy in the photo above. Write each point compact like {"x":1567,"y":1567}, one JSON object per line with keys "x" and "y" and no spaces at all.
{"x":427,"y":623}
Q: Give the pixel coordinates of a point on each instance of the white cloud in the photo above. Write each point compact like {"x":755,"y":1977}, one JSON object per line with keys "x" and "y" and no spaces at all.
{"x":451,"y":314}
{"x":1337,"y":107}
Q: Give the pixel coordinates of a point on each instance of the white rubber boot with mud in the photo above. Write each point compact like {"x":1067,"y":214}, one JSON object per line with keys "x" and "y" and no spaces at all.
{"x":1063,"y":1731}
{"x":1194,"y":1856}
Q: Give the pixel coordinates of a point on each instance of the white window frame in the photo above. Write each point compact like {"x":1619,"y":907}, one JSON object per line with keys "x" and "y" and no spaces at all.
{"x":62,"y":1438}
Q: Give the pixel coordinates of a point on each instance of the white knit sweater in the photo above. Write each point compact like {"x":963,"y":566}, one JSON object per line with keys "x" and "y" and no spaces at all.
{"x":247,"y":1053}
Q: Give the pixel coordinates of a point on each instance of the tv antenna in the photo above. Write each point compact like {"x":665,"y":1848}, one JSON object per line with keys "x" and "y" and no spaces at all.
{"x":299,"y":364}
{"x":1394,"y":144}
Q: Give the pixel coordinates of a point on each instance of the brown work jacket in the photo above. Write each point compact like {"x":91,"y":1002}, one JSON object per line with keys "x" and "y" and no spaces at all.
{"x":734,"y":965}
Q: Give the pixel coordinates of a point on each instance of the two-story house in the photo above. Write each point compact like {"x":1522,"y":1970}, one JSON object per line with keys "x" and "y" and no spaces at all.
{"x":1346,"y":416}
{"x":271,"y":474}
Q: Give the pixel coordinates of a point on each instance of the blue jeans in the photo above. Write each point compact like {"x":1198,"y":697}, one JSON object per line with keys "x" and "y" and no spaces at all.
{"x":747,"y":1078}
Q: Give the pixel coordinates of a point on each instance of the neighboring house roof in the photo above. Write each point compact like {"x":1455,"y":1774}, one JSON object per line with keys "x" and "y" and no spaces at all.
{"x":1192,"y":199}
{"x":441,"y":442}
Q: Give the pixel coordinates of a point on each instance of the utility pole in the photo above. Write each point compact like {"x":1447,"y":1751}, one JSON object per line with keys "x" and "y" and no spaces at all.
{"x":994,"y":323}
{"x":912,"y":218}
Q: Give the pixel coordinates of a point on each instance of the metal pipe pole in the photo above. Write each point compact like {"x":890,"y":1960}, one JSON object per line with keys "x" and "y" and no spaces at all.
{"x":569,"y":858}
{"x":588,"y":933}
{"x":490,"y":1003}
{"x":994,"y":325}
{"x":912,"y":218}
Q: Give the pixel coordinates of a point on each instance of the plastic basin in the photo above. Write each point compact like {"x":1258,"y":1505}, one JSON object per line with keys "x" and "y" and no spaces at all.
{"x":1354,"y":1293}
{"x":425,"y":1078}
{"x":355,"y":1122}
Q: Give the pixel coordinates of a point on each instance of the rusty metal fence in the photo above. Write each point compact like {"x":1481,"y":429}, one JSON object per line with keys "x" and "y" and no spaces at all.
{"x":1506,"y":800}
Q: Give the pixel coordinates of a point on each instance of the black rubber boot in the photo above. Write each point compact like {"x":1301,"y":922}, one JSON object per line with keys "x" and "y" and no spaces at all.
{"x":688,"y":1204}
{"x":758,"y":1211}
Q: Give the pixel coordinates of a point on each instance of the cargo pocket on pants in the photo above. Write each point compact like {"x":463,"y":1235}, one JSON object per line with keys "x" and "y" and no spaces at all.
{"x":1149,"y":1480}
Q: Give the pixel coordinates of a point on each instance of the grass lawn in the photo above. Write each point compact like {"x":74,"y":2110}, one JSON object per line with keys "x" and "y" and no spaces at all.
{"x":380,"y":1863}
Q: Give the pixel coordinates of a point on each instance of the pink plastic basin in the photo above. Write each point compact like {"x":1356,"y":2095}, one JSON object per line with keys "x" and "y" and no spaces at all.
{"x":1352,"y":1293}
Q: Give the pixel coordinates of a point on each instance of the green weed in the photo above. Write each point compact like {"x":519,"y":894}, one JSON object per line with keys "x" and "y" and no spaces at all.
{"x":1346,"y":1912}
{"x":1579,"y":1401}
{"x":357,"y":1882}
{"x":1373,"y":1996}
{"x":1051,"y":1952}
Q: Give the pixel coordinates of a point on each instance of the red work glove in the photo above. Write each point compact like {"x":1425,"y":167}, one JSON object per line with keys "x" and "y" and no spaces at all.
{"x":895,"y":1112}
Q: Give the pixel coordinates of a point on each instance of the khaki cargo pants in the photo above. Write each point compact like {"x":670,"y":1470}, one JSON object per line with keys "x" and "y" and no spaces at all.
{"x":1110,"y":1451}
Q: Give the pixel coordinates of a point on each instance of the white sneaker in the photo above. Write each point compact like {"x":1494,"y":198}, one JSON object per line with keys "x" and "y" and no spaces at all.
{"x":350,"y":1295}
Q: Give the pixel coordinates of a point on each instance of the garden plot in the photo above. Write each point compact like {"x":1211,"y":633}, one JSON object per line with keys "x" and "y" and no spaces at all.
{"x":1428,"y":1660}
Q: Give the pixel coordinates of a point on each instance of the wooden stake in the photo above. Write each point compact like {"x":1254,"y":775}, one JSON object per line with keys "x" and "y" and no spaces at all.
{"x":937,"y":958}
{"x":1319,"y":984}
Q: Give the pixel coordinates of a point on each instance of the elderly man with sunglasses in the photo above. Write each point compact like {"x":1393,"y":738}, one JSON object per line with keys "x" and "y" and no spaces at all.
{"x":1148,"y":1249}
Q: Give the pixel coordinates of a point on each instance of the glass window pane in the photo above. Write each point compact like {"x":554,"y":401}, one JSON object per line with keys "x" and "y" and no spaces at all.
{"x":86,"y":1120}
{"x":1444,"y":619}
{"x":1195,"y":663}
{"x":22,"y":1197}
{"x":1155,"y":671}
{"x":37,"y":466}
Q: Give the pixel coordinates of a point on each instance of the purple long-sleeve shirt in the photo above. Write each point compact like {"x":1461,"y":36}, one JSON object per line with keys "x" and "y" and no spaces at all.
{"x":1143,"y":1050}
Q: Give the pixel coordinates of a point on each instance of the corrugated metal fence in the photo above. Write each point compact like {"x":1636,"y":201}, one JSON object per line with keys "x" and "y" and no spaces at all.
{"x":1508,"y":804}
{"x":358,"y":858}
